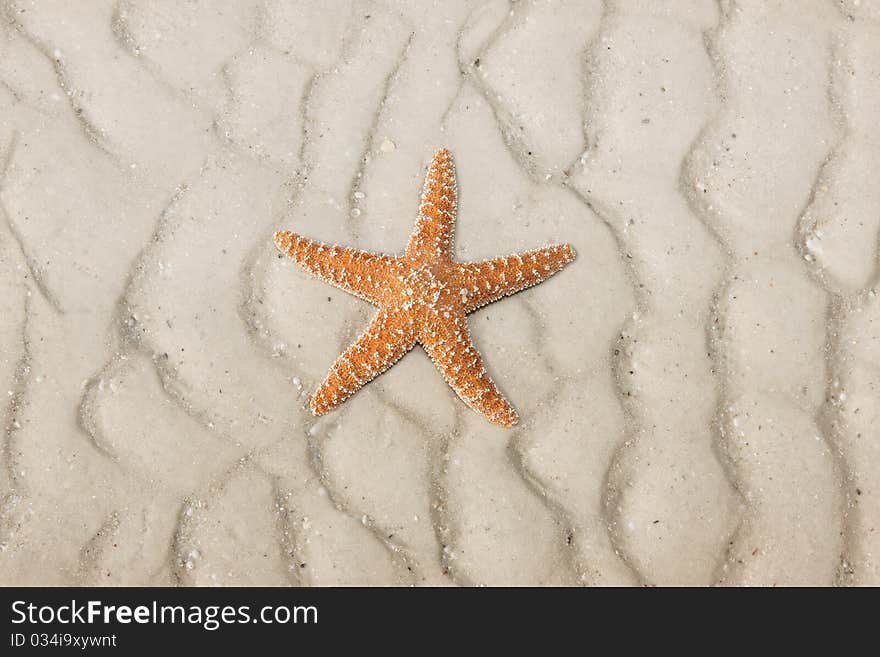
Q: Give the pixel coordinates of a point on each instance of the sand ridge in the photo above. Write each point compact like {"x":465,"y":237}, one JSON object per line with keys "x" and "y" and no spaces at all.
{"x":698,"y":391}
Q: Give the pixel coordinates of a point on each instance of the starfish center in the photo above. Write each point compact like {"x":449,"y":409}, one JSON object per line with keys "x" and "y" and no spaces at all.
{"x":427,"y":290}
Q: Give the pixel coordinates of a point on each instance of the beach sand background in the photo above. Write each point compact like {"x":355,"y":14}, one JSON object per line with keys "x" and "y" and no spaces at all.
{"x":698,"y":391}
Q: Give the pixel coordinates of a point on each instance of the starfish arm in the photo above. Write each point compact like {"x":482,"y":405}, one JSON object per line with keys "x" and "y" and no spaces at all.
{"x":449,"y":345}
{"x":357,"y":272}
{"x":433,"y":235}
{"x":488,"y":281}
{"x":384,"y":342}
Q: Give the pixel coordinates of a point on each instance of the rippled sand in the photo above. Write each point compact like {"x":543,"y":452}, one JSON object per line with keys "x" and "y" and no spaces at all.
{"x":698,"y":391}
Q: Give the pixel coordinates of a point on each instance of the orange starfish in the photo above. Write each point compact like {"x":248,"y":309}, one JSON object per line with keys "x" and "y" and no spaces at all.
{"x":423,"y":297}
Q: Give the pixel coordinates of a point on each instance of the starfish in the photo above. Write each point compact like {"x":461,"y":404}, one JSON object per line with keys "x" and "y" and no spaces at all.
{"x":424,"y":297}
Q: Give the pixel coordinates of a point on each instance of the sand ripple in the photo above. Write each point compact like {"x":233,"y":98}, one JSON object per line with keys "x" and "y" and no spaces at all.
{"x":698,"y":393}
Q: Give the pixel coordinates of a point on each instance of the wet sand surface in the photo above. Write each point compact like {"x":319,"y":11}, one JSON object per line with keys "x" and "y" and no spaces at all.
{"x":699,"y":391}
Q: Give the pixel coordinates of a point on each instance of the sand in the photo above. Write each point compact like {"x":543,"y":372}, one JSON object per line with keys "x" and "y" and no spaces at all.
{"x":698,"y":391}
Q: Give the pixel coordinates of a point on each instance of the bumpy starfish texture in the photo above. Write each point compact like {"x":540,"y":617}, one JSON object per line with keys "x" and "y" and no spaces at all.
{"x":424,"y":297}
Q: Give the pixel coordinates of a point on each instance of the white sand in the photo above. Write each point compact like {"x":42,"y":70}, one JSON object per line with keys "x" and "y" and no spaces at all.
{"x":698,"y":391}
